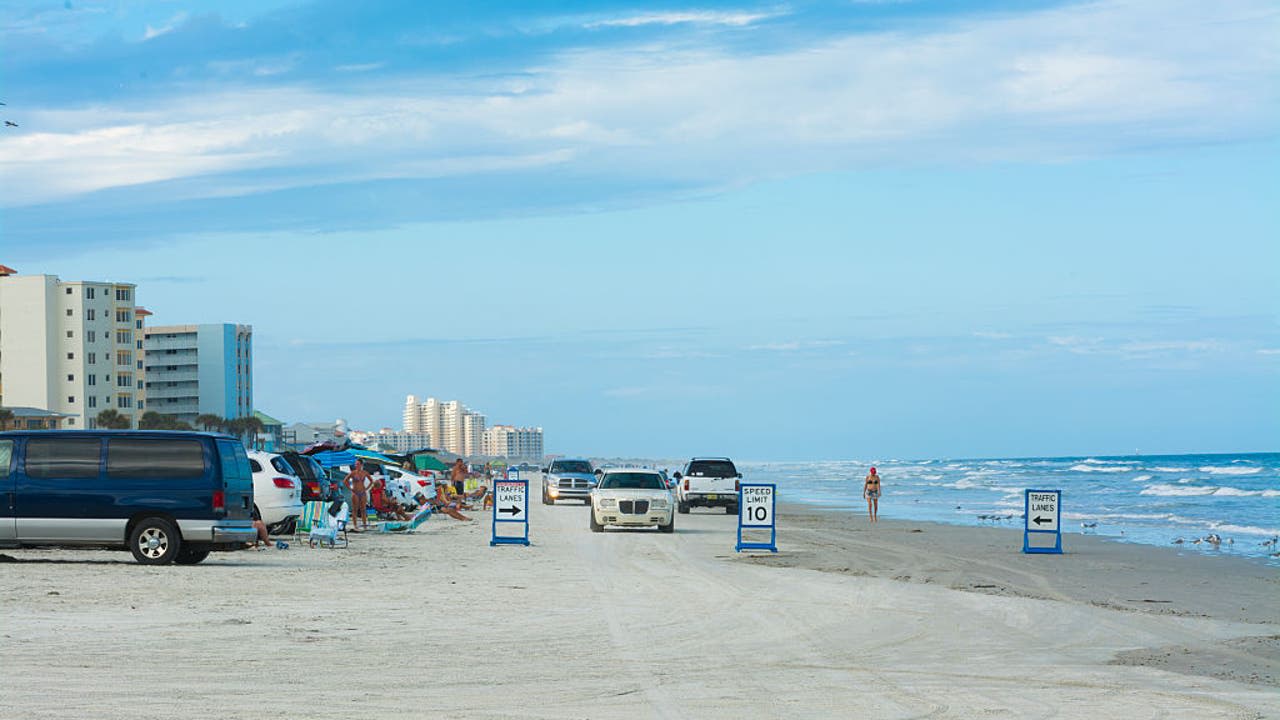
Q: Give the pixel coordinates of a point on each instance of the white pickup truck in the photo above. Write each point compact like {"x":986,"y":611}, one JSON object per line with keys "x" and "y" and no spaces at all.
{"x":708,"y":482}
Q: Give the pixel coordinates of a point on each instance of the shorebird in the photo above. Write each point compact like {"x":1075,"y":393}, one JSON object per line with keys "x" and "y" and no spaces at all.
{"x":1089,"y":525}
{"x":1213,"y":539}
{"x":1197,"y":541}
{"x":10,"y":123}
{"x":1179,"y":541}
{"x":1269,"y":543}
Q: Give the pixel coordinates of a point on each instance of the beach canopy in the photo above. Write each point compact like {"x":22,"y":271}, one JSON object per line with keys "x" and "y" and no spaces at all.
{"x":429,"y":462}
{"x":334,"y":458}
{"x":371,"y":456}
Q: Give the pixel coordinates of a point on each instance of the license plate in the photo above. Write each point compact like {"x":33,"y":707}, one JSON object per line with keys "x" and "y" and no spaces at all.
{"x":711,"y":497}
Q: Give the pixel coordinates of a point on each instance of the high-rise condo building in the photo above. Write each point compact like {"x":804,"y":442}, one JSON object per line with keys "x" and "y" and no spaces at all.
{"x":195,"y":370}
{"x":520,"y":443}
{"x":71,"y":347}
{"x":451,"y":425}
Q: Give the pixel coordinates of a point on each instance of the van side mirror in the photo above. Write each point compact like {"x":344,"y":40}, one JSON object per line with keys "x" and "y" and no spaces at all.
{"x":739,"y":475}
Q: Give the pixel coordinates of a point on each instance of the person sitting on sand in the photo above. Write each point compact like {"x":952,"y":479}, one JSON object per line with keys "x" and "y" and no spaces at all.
{"x":358,"y":482}
{"x":384,"y":503}
{"x":871,"y":491}
{"x":444,"y":503}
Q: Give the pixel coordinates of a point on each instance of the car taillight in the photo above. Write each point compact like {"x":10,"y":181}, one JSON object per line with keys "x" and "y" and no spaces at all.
{"x":422,"y":483}
{"x":284,"y":483}
{"x":737,"y":486}
{"x":219,"y":501}
{"x":686,"y":484}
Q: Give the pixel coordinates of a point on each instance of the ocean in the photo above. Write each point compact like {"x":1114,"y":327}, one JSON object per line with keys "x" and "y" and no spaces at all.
{"x":1148,"y":499}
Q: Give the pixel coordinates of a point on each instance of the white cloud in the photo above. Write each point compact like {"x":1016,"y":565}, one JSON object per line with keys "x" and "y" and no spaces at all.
{"x":360,"y":67}
{"x":736,"y":19}
{"x":168,"y":27}
{"x":1041,"y":87}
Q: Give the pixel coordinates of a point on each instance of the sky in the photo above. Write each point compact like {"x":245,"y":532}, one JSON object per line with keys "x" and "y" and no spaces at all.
{"x":777,"y":231}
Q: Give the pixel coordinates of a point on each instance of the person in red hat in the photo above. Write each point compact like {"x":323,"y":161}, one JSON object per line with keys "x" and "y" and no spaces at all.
{"x":871,"y":491}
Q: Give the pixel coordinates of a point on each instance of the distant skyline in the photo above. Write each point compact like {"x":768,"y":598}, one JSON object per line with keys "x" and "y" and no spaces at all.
{"x":812,"y":230}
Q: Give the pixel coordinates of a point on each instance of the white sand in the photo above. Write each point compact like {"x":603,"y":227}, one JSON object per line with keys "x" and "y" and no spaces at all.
{"x":631,"y":624}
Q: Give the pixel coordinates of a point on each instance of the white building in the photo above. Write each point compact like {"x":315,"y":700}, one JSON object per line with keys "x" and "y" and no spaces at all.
{"x":71,"y":347}
{"x":395,"y":442}
{"x":451,"y":425}
{"x":195,"y":370}
{"x":520,"y":443}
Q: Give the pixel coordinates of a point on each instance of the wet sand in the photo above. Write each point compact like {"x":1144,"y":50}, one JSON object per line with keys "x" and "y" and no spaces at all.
{"x":899,"y":620}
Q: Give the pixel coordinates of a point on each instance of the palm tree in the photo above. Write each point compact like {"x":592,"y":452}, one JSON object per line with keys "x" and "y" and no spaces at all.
{"x":234,"y":426}
{"x":112,"y":420}
{"x":252,"y":425}
{"x":152,"y":420}
{"x":6,"y":417}
{"x":210,"y":422}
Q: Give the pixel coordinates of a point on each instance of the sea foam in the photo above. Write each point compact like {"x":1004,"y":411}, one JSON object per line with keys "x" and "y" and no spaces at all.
{"x":1101,"y":468}
{"x":1211,"y":470}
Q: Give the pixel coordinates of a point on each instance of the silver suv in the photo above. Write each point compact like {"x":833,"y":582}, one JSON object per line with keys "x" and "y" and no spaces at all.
{"x":568,"y":479}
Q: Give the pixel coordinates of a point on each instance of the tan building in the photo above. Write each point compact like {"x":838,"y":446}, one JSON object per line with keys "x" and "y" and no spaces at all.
{"x":73,"y":348}
{"x":518,"y":443}
{"x":451,"y":425}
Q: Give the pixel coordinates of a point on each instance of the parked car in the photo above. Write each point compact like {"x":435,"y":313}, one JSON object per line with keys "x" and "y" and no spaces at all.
{"x":406,"y":487}
{"x":632,"y":498}
{"x":567,"y":479}
{"x":316,"y":484}
{"x":277,"y":491}
{"x":168,"y":497}
{"x":708,"y":482}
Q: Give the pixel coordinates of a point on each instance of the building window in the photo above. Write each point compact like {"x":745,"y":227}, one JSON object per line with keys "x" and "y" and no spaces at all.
{"x":93,"y":358}
{"x":71,"y":421}
{"x":93,"y":380}
{"x":71,"y":399}
{"x":71,"y":378}
{"x":68,"y":312}
{"x":138,"y":324}
{"x":124,"y":401}
{"x":70,"y":334}
{"x":88,"y":314}
{"x":124,"y":316}
{"x":139,"y":364}
{"x":88,"y":293}
{"x":68,"y":291}
{"x":139,"y":342}
{"x":93,"y":402}
{"x":139,"y":404}
{"x":124,"y":380}
{"x":124,"y":357}
{"x":92,"y":336}
{"x":124,"y":337}
{"x":123,"y":295}
{"x":71,"y":356}
{"x":139,"y":387}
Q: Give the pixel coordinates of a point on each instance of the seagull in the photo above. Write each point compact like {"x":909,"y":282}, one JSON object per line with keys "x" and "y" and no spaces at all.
{"x":1269,"y":543}
{"x":1213,"y":539}
{"x":1179,"y":541}
{"x":10,"y":123}
{"x":1089,"y":525}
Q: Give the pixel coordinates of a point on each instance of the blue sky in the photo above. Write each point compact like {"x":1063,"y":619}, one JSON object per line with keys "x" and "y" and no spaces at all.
{"x":776,"y":230}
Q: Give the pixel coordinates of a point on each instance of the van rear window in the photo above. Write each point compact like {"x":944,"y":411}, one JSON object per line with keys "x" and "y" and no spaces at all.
{"x":712,"y":468}
{"x":154,"y":458}
{"x":63,"y":457}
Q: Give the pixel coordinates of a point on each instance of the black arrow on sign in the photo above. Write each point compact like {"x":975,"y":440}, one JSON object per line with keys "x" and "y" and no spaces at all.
{"x":1038,"y":520}
{"x":514,"y":510}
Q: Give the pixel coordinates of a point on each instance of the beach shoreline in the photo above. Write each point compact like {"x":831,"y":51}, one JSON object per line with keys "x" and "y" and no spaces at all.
{"x":898,"y":620}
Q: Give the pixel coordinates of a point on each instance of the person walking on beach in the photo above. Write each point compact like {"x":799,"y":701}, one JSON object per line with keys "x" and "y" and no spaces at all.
{"x":358,"y":483}
{"x":871,"y":491}
{"x":458,"y":475}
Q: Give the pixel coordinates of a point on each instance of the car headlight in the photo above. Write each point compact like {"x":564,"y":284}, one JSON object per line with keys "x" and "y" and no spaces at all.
{"x":660,"y":504}
{"x":607,"y":502}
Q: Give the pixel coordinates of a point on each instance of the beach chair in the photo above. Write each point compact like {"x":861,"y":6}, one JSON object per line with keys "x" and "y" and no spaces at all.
{"x":311,"y":513}
{"x":328,"y":528}
{"x":407,"y":525}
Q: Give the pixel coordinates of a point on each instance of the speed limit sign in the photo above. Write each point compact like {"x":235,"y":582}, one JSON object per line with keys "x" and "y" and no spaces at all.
{"x":755,"y":512}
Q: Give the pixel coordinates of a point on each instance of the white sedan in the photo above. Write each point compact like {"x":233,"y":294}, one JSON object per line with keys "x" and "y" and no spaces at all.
{"x":277,"y":491}
{"x":632,"y":498}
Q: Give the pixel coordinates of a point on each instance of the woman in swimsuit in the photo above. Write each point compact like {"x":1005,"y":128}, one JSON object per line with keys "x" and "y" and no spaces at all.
{"x":871,"y":491}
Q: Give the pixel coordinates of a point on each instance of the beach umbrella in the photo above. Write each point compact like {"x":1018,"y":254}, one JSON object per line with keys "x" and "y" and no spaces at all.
{"x":334,"y":458}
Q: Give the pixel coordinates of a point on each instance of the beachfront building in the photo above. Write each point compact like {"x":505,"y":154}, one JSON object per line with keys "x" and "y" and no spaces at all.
{"x":513,"y":443}
{"x":451,"y":425}
{"x":71,"y":348}
{"x":399,"y":442}
{"x":195,"y":370}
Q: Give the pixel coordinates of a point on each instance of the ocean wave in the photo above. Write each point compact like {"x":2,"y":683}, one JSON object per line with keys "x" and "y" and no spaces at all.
{"x":1245,"y":529}
{"x":1163,"y":468}
{"x":1101,"y":468}
{"x":1211,"y":470}
{"x":1094,"y":461}
{"x":931,"y":477}
{"x":1117,"y":516}
{"x":1162,"y":490}
{"x":961,"y":484}
{"x":1142,"y":478}
{"x":1175,"y":491}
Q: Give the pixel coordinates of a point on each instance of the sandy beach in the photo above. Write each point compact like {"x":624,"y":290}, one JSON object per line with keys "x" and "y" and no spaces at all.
{"x":899,"y":620}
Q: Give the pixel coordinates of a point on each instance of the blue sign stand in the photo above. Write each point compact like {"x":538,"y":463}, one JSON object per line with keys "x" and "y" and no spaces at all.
{"x":1042,"y":533}
{"x":510,"y":499}
{"x":756,"y":511}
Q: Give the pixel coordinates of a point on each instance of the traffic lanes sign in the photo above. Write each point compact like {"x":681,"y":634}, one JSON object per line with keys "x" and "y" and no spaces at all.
{"x":511,"y":500}
{"x":1042,"y":510}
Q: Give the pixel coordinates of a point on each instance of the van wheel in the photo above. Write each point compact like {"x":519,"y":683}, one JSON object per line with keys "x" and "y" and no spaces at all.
{"x":155,"y":541}
{"x":730,"y":509}
{"x":669,"y":527}
{"x":682,"y":508}
{"x":595,"y":526}
{"x":188,"y":556}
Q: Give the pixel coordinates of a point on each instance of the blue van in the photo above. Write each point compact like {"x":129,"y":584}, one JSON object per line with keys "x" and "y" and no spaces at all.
{"x":169,"y":497}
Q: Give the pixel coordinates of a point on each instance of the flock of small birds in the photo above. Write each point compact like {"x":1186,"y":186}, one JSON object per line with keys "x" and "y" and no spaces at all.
{"x":1213,"y":539}
{"x":995,"y":518}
